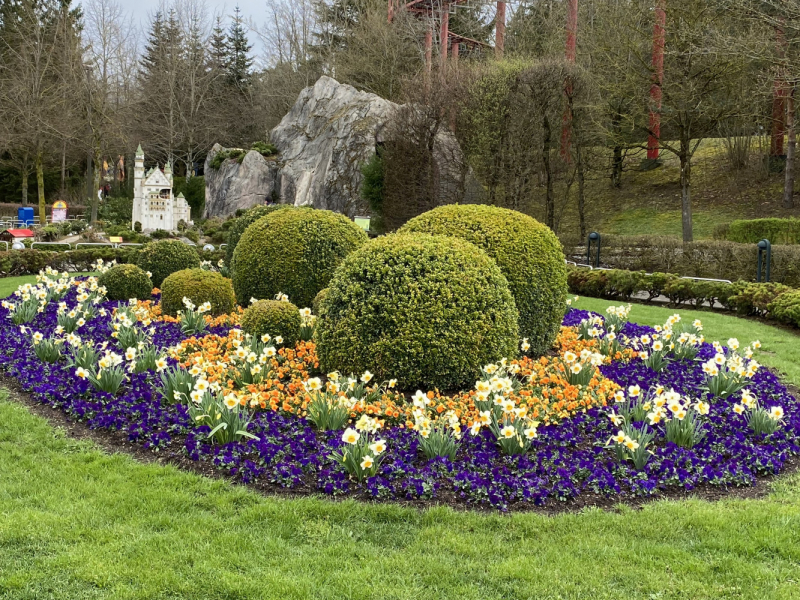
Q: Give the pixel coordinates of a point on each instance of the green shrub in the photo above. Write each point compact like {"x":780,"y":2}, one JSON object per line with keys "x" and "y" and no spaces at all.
{"x":294,"y":252}
{"x":273,"y":317}
{"x":786,"y":308}
{"x":239,"y":226}
{"x":199,"y":286}
{"x":123,"y":282}
{"x":194,"y":190}
{"x":429,"y":311}
{"x":752,"y":231}
{"x":165,"y":257}
{"x":316,"y":305}
{"x":528,"y":254}
{"x":116,"y":210}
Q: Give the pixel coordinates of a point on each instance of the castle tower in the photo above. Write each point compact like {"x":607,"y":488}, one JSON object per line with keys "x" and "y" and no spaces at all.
{"x":168,"y":171}
{"x":138,"y":191}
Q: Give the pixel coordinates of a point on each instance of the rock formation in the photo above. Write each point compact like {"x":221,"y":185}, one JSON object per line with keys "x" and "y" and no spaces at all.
{"x":331,"y":131}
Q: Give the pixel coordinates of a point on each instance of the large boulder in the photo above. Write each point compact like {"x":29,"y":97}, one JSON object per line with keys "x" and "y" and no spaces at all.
{"x":330,"y":132}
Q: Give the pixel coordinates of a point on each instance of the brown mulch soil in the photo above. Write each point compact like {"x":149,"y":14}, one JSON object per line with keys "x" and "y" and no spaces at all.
{"x":116,"y":442}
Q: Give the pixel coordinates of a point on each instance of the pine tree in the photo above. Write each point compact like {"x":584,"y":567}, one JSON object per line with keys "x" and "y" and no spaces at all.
{"x":218,"y":43}
{"x":240,"y":63}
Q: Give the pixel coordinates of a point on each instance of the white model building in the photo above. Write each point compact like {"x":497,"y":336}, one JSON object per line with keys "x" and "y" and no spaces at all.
{"x":153,"y":204}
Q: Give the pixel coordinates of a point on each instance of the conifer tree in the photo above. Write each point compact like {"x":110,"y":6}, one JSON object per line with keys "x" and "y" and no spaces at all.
{"x":239,"y":63}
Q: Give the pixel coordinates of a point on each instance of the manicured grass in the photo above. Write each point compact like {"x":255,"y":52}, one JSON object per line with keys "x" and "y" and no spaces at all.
{"x":780,"y":347}
{"x":78,"y":523}
{"x":8,"y":285}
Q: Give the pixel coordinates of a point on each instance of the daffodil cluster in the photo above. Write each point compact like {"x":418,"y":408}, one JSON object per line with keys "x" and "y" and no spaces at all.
{"x":439,"y":435}
{"x":761,"y":420}
{"x":728,"y":371}
{"x":581,"y":368}
{"x":362,"y":454}
{"x":222,"y":413}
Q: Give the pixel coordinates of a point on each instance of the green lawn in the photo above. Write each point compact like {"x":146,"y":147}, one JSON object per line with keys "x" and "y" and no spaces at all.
{"x":78,"y":523}
{"x":780,"y":348}
{"x":8,"y":285}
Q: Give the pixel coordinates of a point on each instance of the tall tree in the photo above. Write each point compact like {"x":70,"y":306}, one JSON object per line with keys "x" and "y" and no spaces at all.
{"x":240,"y":62}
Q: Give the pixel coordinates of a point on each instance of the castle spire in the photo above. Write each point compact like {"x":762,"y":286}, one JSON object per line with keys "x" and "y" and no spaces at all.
{"x":139,"y":151}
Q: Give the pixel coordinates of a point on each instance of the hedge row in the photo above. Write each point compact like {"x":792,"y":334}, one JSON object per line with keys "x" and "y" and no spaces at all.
{"x":710,"y":259}
{"x":768,"y":300}
{"x":14,"y":263}
{"x":752,"y":231}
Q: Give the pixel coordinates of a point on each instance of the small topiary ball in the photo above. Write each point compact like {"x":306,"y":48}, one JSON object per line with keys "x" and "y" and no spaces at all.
{"x":429,"y":311}
{"x":199,"y":286}
{"x":527,"y":252}
{"x":316,"y":305}
{"x":275,"y":318}
{"x":123,"y":282}
{"x":239,"y":226}
{"x":165,"y":257}
{"x":294,"y":252}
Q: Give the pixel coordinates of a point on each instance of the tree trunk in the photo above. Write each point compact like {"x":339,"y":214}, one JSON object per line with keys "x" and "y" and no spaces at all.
{"x":63,"y":169}
{"x":550,"y":203}
{"x":581,"y":190}
{"x":40,"y":188}
{"x":96,"y":181}
{"x":25,"y":186}
{"x":686,"y":192}
{"x":788,"y":181}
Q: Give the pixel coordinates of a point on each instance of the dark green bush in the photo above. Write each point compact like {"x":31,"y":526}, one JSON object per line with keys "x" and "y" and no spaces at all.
{"x":199,"y":286}
{"x":165,"y":257}
{"x":429,"y":311}
{"x":786,"y":308}
{"x":274,"y":318}
{"x":194,"y":190}
{"x":527,"y":252}
{"x":316,"y":305}
{"x":752,"y":231}
{"x":116,"y":210}
{"x":123,"y":282}
{"x":239,"y":226}
{"x":294,"y":252}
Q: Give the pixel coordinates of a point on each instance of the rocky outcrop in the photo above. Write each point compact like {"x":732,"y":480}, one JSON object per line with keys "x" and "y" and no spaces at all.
{"x":329,"y":133}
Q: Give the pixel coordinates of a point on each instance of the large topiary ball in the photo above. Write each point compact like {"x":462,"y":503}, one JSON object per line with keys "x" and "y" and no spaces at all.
{"x":294,"y":252}
{"x":527,"y":252}
{"x":199,"y":286}
{"x":123,"y":282}
{"x":242,"y":223}
{"x":429,"y":311}
{"x":273,"y":317}
{"x":165,"y":257}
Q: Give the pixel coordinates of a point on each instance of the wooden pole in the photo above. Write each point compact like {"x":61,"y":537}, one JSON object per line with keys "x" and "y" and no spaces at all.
{"x":500,"y":30}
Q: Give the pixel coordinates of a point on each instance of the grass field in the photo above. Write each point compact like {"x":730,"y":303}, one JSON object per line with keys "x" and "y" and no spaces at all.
{"x":78,"y":523}
{"x":8,"y":285}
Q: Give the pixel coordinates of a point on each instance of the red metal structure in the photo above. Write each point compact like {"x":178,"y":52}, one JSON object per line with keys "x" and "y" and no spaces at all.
{"x":659,"y":35}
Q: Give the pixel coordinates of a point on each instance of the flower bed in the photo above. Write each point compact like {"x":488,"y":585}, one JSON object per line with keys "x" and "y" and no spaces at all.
{"x":572,"y":426}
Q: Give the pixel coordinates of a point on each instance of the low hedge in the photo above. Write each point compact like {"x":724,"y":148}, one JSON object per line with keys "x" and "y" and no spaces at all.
{"x":123,"y":282}
{"x":710,"y":259}
{"x":752,"y":231}
{"x":199,"y":286}
{"x":275,"y":318}
{"x":768,"y":300}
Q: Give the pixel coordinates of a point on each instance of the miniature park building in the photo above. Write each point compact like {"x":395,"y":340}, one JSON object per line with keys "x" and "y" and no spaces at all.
{"x":153,"y":204}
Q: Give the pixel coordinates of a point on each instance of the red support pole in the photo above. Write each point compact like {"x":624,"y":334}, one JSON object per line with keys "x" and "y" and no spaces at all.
{"x":572,"y":30}
{"x":428,"y":49}
{"x":391,"y":10}
{"x":659,"y":38}
{"x":500,"y":30}
{"x":454,"y":51}
{"x":444,"y":34}
{"x":779,"y":93}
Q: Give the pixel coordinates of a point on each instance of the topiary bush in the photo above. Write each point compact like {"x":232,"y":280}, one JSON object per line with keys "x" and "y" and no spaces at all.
{"x":165,"y":257}
{"x":527,"y":252}
{"x":429,"y":311}
{"x":199,"y":286}
{"x":294,"y":252}
{"x":239,"y":226}
{"x":316,"y":305}
{"x":123,"y":282}
{"x":273,"y":317}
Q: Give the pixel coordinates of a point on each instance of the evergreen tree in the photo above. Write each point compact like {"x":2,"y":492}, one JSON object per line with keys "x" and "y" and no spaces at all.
{"x":218,"y":44}
{"x":240,"y":63}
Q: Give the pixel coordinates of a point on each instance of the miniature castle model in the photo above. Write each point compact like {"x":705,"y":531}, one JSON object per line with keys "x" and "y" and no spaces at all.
{"x":153,"y":204}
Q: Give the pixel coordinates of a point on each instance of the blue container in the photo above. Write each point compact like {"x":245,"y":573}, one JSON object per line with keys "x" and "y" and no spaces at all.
{"x":25,"y":214}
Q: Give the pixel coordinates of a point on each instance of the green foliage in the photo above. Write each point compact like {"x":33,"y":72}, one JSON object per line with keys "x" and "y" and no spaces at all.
{"x":372,"y":189}
{"x":786,"y":308}
{"x":264,"y":149}
{"x":294,"y":252}
{"x":116,"y":210}
{"x":777,"y":231}
{"x":317,"y":304}
{"x":124,"y":231}
{"x":165,"y":257}
{"x":240,"y":224}
{"x":430,"y":311}
{"x":194,"y":190}
{"x":123,"y":282}
{"x":274,"y":318}
{"x":528,"y":254}
{"x":199,"y":286}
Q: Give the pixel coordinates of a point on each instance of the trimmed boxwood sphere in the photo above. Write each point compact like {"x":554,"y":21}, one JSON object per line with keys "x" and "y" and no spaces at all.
{"x":316,"y":305}
{"x":242,"y":223}
{"x":165,"y":257}
{"x":199,"y":286}
{"x":527,"y":252}
{"x":294,"y":252}
{"x":275,"y":318}
{"x":123,"y":282}
{"x":429,"y":311}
